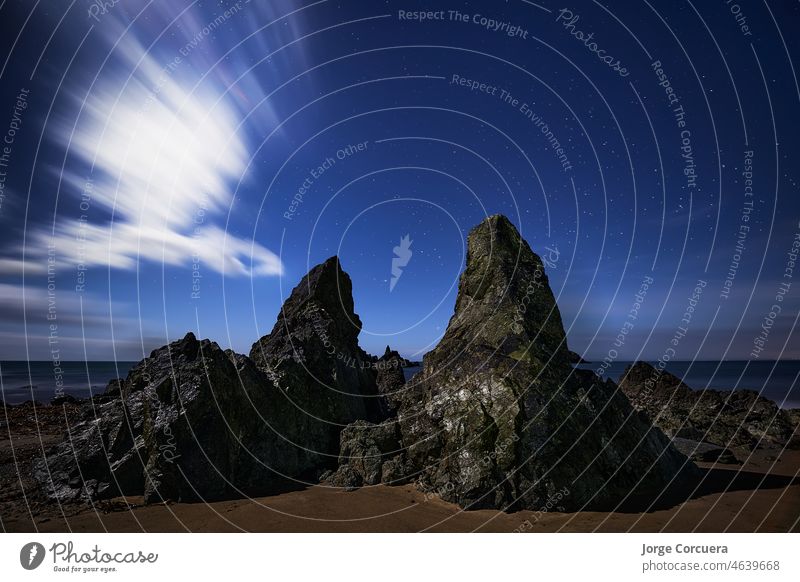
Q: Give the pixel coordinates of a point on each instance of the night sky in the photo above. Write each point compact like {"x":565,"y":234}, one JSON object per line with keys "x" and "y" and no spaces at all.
{"x":180,"y":166}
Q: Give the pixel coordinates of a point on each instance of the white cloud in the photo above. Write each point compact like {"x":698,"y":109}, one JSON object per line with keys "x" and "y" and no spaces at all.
{"x":164,"y":161}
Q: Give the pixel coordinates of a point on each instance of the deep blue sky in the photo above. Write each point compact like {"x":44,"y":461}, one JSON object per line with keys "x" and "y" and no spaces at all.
{"x":144,"y":168}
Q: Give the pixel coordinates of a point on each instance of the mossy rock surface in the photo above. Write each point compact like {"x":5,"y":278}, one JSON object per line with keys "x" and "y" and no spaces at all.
{"x":502,"y":420}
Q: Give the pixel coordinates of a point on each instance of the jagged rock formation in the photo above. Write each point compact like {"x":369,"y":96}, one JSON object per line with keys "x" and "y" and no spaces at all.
{"x":740,"y":418}
{"x":390,"y":381}
{"x":497,"y":418}
{"x":367,"y":454}
{"x":195,"y":422}
{"x":500,"y":419}
{"x":186,"y":424}
{"x":313,"y":355}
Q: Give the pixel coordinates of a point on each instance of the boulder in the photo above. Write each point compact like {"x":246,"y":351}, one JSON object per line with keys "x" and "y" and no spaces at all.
{"x":390,"y":381}
{"x":739,"y":418}
{"x":704,"y":452}
{"x":365,"y":448}
{"x":499,"y":418}
{"x":185,"y":426}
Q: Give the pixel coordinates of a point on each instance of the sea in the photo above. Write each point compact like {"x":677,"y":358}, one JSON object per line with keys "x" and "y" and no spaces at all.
{"x":43,"y":381}
{"x":776,"y":380}
{"x":40,"y":381}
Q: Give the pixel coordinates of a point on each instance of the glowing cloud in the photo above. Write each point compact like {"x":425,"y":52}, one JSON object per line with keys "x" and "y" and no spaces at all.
{"x":163,"y":159}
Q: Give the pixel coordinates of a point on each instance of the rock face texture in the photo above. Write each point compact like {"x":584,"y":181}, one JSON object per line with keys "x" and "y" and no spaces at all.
{"x":498,"y":417}
{"x":186,"y":424}
{"x":313,"y":355}
{"x":195,"y":422}
{"x":390,"y":381}
{"x":740,"y":418}
{"x":313,"y":358}
{"x":367,"y":454}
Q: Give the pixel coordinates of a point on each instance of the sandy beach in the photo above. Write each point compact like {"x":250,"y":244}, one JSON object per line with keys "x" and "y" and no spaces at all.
{"x":762,"y":495}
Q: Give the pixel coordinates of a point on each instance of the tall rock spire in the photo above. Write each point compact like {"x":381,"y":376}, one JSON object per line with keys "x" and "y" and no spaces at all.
{"x":500,"y":419}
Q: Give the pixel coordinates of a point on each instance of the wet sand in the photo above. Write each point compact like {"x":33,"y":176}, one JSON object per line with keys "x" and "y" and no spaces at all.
{"x":762,"y":495}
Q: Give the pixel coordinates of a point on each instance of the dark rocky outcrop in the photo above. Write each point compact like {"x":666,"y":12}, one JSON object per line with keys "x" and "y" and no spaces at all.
{"x":184,"y":425}
{"x":499,"y":418}
{"x":365,"y":450}
{"x":195,"y":422}
{"x":312,"y":355}
{"x":727,"y":419}
{"x":794,"y":419}
{"x":390,"y":381}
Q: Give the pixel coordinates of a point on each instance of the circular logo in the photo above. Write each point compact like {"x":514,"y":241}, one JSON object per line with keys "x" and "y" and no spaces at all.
{"x":31,"y":555}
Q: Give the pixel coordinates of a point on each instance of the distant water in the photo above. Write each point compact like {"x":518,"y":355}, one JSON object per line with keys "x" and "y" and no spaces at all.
{"x":41,"y":381}
{"x":759,"y":375}
{"x":777,"y":384}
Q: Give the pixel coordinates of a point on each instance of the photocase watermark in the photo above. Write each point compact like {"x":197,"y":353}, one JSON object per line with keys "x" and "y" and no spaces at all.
{"x":741,"y":19}
{"x":20,"y":105}
{"x":744,"y":226}
{"x":51,"y":315}
{"x":316,"y":173}
{"x":568,"y":20}
{"x":100,"y":8}
{"x":630,"y":321}
{"x":550,"y":260}
{"x":94,"y":559}
{"x":680,"y":332}
{"x":507,"y":98}
{"x":198,"y":220}
{"x":492,"y":25}
{"x":436,"y":492}
{"x":185,"y":51}
{"x":552,"y":504}
{"x":31,"y":555}
{"x":320,"y":326}
{"x":210,"y":27}
{"x":402,"y":256}
{"x":83,"y":205}
{"x":68,"y":559}
{"x":679,"y":114}
{"x":760,"y":340}
{"x":168,"y":448}
{"x":500,"y":448}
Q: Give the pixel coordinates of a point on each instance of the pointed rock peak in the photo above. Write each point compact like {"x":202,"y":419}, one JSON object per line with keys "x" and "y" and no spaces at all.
{"x":188,"y":346}
{"x":328,"y":284}
{"x":499,"y":226}
{"x":495,"y":238}
{"x":504,"y":296}
{"x":320,"y":306}
{"x":331,"y":267}
{"x":391,"y":354}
